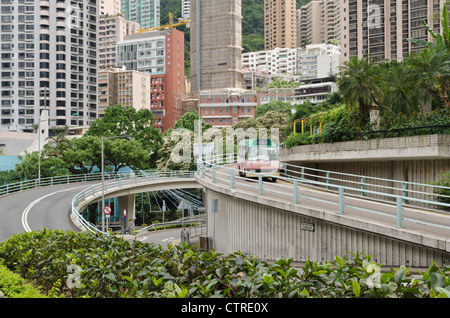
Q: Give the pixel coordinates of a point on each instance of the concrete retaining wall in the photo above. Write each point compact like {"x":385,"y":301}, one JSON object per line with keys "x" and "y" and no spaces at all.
{"x":417,"y":159}
{"x":270,"y":232}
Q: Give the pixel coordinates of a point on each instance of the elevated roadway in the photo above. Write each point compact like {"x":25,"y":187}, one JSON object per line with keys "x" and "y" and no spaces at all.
{"x":294,"y":218}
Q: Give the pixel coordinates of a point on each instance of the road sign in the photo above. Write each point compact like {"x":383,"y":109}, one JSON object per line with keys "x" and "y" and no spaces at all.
{"x":107,"y":210}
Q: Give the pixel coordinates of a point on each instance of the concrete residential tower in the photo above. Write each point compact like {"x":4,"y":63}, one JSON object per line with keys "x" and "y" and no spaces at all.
{"x":220,"y":44}
{"x":280,"y":24}
{"x":49,"y":61}
{"x":144,"y":12}
{"x":380,"y":29}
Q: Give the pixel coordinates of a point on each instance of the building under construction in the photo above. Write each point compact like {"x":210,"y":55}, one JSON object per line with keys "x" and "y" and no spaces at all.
{"x":219,"y":36}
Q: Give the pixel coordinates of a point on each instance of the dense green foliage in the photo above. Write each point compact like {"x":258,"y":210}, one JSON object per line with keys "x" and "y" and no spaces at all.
{"x":111,"y":267}
{"x":443,"y":189}
{"x":13,"y":285}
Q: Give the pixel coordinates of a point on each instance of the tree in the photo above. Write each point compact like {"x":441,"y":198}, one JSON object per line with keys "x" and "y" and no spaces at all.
{"x":437,"y":85}
{"x":188,"y":121}
{"x":139,"y":124}
{"x":120,"y":153}
{"x":83,"y":154}
{"x":273,"y":105}
{"x":431,"y":68}
{"x":361,"y":86}
{"x":28,"y":169}
{"x":401,"y":95}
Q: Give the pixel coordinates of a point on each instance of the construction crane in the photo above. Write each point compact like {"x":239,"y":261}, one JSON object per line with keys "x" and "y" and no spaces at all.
{"x":169,"y":25}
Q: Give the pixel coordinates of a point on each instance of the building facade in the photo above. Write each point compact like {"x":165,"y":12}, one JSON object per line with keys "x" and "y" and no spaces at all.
{"x":144,"y":12}
{"x":48,"y":61}
{"x":280,"y":23}
{"x":223,"y":109}
{"x":380,"y":29}
{"x":318,"y":22}
{"x":111,"y":30}
{"x":109,"y":7}
{"x":220,"y":44}
{"x":124,"y":87}
{"x":312,"y":62}
{"x":185,"y":9}
{"x":159,"y":53}
{"x":315,"y":93}
{"x":309,"y":24}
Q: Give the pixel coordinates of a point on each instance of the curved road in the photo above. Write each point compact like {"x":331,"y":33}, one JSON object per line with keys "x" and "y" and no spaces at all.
{"x":49,"y":207}
{"x":34,"y":209}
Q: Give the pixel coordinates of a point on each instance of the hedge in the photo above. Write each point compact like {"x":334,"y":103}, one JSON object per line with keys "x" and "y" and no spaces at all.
{"x":14,"y":286}
{"x":110,"y":267}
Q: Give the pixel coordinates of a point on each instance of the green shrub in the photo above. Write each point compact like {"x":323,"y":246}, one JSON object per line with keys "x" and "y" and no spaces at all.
{"x":111,"y":267}
{"x":444,"y":192}
{"x":14,"y":286}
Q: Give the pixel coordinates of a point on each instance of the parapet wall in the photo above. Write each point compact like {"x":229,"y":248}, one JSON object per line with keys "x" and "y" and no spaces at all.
{"x":416,"y":159}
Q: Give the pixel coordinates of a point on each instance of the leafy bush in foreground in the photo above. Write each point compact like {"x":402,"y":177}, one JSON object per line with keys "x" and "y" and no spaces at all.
{"x":14,"y":286}
{"x":112,"y":267}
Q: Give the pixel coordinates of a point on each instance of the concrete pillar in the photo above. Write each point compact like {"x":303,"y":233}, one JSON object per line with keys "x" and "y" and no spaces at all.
{"x":126,"y":203}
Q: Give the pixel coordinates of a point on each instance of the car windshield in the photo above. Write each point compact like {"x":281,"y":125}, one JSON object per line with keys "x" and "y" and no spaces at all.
{"x":262,"y":153}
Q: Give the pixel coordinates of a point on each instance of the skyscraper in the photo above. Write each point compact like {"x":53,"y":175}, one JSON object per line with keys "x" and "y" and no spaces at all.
{"x":318,"y":22}
{"x":144,"y":12}
{"x":48,"y":61}
{"x":216,"y":40}
{"x":280,"y":26}
{"x":380,"y":29}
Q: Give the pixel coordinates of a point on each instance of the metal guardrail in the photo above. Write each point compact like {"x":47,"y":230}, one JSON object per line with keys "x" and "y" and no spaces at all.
{"x":208,"y":167}
{"x":121,"y":180}
{"x":35,"y":183}
{"x":183,"y":221}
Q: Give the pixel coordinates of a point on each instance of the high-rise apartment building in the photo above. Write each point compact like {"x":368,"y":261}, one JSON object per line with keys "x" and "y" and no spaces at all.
{"x":109,"y":7}
{"x":125,"y":87}
{"x":185,"y":9}
{"x":159,"y":53}
{"x":144,"y":12}
{"x":220,"y":40}
{"x":380,"y":29}
{"x":48,"y":61}
{"x":111,"y":30}
{"x":309,"y":24}
{"x":318,"y":22}
{"x":280,"y":24}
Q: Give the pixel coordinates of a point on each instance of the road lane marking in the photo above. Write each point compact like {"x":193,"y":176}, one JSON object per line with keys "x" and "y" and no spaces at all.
{"x":28,"y":208}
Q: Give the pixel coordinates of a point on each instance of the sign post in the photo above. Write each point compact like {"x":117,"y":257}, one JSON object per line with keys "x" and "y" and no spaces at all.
{"x":107,"y":211}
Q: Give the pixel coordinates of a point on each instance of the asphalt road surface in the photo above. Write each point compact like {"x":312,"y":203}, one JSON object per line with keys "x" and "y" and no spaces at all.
{"x":49,"y":207}
{"x":34,"y":209}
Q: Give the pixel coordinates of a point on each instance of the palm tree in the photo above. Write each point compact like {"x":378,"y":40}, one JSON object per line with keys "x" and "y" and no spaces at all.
{"x":435,"y":63}
{"x":360,"y":83}
{"x":431,"y":68}
{"x":401,"y":95}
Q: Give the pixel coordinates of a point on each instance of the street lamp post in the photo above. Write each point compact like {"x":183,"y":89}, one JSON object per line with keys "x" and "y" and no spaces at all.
{"x":103,"y":179}
{"x":39,"y":137}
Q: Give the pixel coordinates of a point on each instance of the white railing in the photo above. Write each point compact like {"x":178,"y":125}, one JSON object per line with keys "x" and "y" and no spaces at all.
{"x":294,"y":176}
{"x":122,"y":180}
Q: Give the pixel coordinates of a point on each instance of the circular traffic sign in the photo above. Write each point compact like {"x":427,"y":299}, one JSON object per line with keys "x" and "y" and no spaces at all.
{"x":107,"y":210}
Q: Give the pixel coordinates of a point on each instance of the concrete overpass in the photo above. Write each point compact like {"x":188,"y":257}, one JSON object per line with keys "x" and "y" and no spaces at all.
{"x":303,"y":219}
{"x":295,"y":217}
